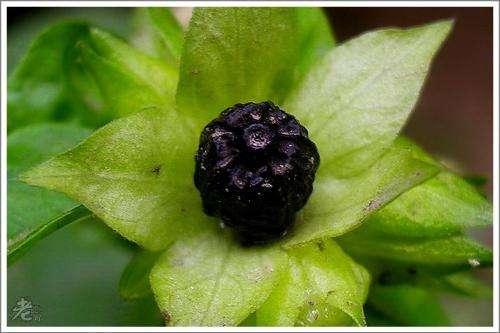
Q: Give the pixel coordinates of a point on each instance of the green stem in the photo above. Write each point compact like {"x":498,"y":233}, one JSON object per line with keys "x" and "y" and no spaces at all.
{"x":16,"y":250}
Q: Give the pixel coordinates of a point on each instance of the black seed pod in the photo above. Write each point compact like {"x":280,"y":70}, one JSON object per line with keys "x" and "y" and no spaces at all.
{"x":255,"y":169}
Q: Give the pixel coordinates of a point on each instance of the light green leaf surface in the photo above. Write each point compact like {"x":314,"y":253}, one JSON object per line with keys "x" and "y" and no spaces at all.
{"x":357,"y":99}
{"x":234,"y":55}
{"x":442,"y":206}
{"x":323,"y":313}
{"x":338,"y":205}
{"x":134,"y":282}
{"x":285,"y":303}
{"x":30,"y":208}
{"x":158,"y":33}
{"x":333,"y":280}
{"x":321,"y":287}
{"x":211,"y":280}
{"x":136,"y":175}
{"x":408,"y":305}
{"x":44,"y":85}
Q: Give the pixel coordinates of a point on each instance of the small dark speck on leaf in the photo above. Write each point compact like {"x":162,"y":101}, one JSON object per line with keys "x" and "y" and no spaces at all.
{"x":320,"y":246}
{"x":384,"y":277}
{"x":166,"y":317}
{"x":412,"y":271}
{"x":156,"y":169}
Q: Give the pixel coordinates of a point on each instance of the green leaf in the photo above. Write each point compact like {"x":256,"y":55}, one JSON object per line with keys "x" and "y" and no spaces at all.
{"x":39,"y":93}
{"x":476,"y":180}
{"x":249,"y":321}
{"x":22,"y":244}
{"x":134,"y":282}
{"x":29,"y":209}
{"x":122,"y":92}
{"x":315,"y":38}
{"x":322,"y":287}
{"x":235,"y":55}
{"x":338,"y":205}
{"x":329,"y":271}
{"x":284,"y":304}
{"x":169,"y":30}
{"x":462,"y":283}
{"x":129,"y":80}
{"x":357,"y":99}
{"x":160,"y":76}
{"x":423,"y":227}
{"x":211,"y":280}
{"x":442,"y":206}
{"x":136,"y":175}
{"x":21,"y":32}
{"x":441,"y":255}
{"x":323,"y":313}
{"x":408,"y":306}
{"x":158,"y":33}
{"x":468,"y":285}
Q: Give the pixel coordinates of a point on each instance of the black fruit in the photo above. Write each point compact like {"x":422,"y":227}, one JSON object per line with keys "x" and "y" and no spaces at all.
{"x":255,"y":169}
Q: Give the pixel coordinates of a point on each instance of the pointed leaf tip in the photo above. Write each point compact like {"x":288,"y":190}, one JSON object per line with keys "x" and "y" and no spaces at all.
{"x":362,"y":92}
{"x":135,"y":174}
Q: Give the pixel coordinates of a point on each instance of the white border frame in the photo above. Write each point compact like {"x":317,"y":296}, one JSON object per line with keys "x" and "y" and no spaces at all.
{"x":3,"y":38}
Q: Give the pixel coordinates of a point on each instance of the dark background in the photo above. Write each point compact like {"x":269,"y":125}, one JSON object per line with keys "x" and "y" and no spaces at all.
{"x":454,"y":117}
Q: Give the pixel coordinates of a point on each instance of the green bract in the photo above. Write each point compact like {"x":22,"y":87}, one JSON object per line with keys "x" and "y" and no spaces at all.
{"x":211,"y":280}
{"x":377,"y":74}
{"x":409,"y":212}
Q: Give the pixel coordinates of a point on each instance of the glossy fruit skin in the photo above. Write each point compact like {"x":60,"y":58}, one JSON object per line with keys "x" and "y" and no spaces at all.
{"x":255,"y":168}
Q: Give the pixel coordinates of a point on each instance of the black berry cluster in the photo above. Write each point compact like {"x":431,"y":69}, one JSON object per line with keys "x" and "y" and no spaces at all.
{"x":255,"y":169}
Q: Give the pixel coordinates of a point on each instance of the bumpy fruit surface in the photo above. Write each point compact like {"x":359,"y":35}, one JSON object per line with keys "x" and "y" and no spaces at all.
{"x":255,"y":169}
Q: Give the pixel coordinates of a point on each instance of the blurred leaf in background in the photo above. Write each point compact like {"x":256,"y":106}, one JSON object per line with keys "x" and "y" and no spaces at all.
{"x":49,"y":83}
{"x":30,"y":208}
{"x":73,"y":274}
{"x":22,"y":32}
